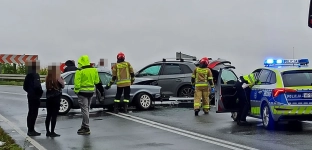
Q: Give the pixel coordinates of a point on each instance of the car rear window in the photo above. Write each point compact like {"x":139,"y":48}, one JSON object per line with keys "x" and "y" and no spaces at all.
{"x":297,"y":78}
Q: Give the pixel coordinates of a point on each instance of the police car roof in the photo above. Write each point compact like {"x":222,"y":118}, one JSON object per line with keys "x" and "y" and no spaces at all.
{"x":288,"y":68}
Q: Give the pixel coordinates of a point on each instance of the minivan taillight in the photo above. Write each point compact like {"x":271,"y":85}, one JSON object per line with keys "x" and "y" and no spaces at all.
{"x":278,"y":91}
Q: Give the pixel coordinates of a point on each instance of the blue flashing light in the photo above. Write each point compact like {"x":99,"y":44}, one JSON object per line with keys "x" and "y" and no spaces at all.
{"x":279,"y":61}
{"x":270,"y":61}
{"x":285,"y":62}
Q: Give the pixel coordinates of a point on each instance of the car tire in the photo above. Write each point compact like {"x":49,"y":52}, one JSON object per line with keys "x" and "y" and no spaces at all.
{"x":143,"y":101}
{"x":267,"y":118}
{"x":186,"y":91}
{"x":234,"y":116}
{"x":65,"y":106}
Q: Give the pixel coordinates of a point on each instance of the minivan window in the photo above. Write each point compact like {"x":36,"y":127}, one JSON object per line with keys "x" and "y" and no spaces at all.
{"x":151,"y":70}
{"x":297,"y":78}
{"x":170,"y":69}
{"x":186,"y":69}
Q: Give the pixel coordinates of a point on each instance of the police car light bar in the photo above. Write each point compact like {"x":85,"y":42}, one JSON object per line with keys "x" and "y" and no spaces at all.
{"x":286,"y":62}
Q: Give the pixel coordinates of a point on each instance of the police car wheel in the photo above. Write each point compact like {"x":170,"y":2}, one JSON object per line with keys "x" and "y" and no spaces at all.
{"x":143,"y":101}
{"x":267,"y":118}
{"x":65,"y":105}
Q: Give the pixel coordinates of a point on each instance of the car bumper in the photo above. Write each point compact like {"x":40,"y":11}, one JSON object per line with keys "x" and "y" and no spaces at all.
{"x":157,"y":97}
{"x":290,"y":112}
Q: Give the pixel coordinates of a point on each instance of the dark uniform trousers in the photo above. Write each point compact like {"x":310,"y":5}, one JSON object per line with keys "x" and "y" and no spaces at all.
{"x":244,"y":101}
{"x":126,"y":91}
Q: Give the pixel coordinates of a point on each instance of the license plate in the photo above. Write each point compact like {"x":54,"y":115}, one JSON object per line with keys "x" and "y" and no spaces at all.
{"x":307,"y":95}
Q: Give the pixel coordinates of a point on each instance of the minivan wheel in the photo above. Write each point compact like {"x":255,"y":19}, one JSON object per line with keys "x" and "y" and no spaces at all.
{"x":143,"y":101}
{"x":65,"y":105}
{"x":186,"y":91}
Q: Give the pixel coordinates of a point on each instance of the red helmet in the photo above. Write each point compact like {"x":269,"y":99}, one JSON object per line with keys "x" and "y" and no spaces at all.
{"x":204,"y":61}
{"x":121,"y":55}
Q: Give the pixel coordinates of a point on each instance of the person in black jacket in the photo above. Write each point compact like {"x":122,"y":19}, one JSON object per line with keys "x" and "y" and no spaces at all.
{"x":32,"y":86}
{"x":70,"y":66}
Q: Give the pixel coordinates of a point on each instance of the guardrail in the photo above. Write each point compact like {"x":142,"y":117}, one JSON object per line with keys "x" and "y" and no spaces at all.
{"x":17,"y":76}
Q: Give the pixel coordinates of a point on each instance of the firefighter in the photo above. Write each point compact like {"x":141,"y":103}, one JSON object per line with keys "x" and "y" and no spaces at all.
{"x":200,"y":78}
{"x":123,"y":74}
{"x":243,"y":86}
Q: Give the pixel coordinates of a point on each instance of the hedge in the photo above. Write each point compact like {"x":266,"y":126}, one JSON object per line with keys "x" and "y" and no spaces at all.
{"x":18,"y":69}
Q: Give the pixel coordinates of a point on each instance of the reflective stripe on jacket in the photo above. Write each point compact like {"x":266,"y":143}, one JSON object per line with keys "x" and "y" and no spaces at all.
{"x":202,"y":75}
{"x":122,"y":72}
{"x":86,"y":77}
{"x":250,"y":78}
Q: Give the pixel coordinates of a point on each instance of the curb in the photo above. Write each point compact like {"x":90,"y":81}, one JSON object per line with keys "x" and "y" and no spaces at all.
{"x":19,"y":136}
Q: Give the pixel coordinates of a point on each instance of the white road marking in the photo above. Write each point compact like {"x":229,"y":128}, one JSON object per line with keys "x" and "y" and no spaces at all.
{"x":185,"y":133}
{"x":14,"y":93}
{"x":19,"y":131}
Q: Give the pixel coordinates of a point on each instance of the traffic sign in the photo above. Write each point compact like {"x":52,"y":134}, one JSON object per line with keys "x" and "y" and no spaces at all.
{"x":18,"y":59}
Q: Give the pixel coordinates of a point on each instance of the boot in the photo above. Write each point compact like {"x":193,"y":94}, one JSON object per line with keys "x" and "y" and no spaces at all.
{"x":196,"y":112}
{"x":116,"y":109}
{"x":206,"y":111}
{"x":126,"y":108}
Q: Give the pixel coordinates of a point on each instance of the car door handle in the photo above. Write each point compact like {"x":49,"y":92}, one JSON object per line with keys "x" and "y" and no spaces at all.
{"x":178,"y":80}
{"x":260,"y":92}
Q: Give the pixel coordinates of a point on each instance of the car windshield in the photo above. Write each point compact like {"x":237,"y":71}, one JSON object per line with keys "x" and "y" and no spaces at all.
{"x":297,"y":78}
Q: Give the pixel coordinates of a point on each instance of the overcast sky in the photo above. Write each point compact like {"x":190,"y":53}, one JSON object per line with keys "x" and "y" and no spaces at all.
{"x":242,"y":31}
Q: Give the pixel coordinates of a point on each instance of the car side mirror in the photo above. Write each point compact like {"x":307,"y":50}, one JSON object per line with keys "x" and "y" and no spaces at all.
{"x":65,"y":83}
{"x":310,"y":15}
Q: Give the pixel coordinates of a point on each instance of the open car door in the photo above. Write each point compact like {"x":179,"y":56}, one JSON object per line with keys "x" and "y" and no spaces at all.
{"x":226,"y":94}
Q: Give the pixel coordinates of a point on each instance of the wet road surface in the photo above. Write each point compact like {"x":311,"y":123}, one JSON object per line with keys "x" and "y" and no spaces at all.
{"x":165,"y":128}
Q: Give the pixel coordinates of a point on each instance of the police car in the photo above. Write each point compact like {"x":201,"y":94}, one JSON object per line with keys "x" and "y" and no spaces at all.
{"x":284,"y":94}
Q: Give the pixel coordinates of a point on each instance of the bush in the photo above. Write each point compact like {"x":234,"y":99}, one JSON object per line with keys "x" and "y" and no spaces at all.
{"x":18,"y":69}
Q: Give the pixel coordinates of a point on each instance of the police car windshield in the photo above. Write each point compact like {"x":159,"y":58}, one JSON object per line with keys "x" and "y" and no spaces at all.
{"x":297,"y":78}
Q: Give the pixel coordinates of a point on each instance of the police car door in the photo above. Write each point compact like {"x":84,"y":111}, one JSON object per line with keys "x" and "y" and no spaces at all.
{"x":262,"y":91}
{"x":226,"y":99}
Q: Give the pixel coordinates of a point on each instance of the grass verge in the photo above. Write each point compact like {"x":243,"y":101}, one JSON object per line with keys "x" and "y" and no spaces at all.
{"x":9,"y":142}
{"x":16,"y":83}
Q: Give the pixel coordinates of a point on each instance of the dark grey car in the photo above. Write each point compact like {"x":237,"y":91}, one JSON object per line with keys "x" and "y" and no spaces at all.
{"x":143,"y":93}
{"x":174,"y":77}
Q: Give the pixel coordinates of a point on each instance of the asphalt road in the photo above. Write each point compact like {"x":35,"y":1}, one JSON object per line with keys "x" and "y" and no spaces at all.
{"x":161,"y":128}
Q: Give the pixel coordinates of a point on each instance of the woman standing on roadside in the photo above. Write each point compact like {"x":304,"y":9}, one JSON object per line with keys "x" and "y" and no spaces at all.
{"x":54,"y":85}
